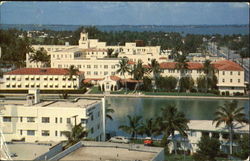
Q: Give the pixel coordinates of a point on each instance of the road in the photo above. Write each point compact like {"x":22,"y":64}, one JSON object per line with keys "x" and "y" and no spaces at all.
{"x":230,"y":55}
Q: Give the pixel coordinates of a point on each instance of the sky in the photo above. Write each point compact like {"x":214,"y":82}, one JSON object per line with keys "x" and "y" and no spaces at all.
{"x":124,"y":13}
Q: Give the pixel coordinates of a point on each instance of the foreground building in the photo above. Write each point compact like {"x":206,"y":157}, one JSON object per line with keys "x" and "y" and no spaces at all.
{"x":41,"y":78}
{"x":36,"y":121}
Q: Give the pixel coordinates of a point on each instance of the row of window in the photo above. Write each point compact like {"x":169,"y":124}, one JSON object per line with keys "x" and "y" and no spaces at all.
{"x":96,"y":73}
{"x":38,"y":86}
{"x":38,"y":78}
{"x":89,"y":66}
{"x":231,"y":80}
{"x":32,"y":119}
{"x":231,"y":72}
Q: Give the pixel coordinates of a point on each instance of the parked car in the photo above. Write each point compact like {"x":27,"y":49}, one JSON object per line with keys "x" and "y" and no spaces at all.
{"x":119,"y":139}
{"x":13,"y":155}
{"x":148,"y":141}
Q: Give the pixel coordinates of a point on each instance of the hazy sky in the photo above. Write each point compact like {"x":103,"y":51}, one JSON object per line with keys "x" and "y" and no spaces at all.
{"x":128,"y":13}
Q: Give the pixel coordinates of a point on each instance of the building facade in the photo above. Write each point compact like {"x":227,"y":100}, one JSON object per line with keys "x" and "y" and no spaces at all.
{"x":41,"y":78}
{"x":46,"y":121}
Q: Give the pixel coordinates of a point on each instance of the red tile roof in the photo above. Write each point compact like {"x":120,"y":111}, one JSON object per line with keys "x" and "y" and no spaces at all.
{"x":88,"y":80}
{"x":172,"y":65}
{"x":39,"y":71}
{"x":227,"y":65}
{"x":131,"y":62}
{"x":115,"y":78}
{"x":163,"y":58}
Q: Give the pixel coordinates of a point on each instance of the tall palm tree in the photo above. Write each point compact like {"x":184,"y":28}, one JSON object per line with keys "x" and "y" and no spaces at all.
{"x":155,"y":69}
{"x":181,"y":65}
{"x":134,"y":126}
{"x":76,"y":134}
{"x":208,"y":70}
{"x":124,"y":68}
{"x":172,"y":120}
{"x":72,"y":71}
{"x":138,"y":71}
{"x":229,"y":114}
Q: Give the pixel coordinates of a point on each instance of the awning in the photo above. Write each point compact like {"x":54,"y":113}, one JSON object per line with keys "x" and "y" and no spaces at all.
{"x":50,"y":76}
{"x":45,"y":77}
{"x":56,"y":84}
{"x":37,"y":77}
{"x":18,"y":84}
{"x":32,"y":84}
{"x":56,"y":77}
{"x":45,"y":84}
{"x":51,"y":84}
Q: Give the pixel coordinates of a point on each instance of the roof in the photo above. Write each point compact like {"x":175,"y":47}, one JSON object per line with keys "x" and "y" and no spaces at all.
{"x":115,"y":78}
{"x":131,"y":62}
{"x":172,"y":65}
{"x":39,"y":71}
{"x":88,"y":80}
{"x":163,"y":58}
{"x":94,"y":50}
{"x":227,"y":65}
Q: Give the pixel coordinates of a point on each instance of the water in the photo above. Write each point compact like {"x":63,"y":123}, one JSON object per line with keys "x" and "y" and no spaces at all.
{"x":201,"y":29}
{"x":194,"y":109}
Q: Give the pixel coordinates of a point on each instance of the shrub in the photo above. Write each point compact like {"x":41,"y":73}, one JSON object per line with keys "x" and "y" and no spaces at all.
{"x":214,"y":92}
{"x":227,"y":93}
{"x":193,"y":90}
{"x":223,"y":93}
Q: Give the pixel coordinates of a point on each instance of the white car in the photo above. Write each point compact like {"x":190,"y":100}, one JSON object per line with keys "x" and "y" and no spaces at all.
{"x":119,"y":139}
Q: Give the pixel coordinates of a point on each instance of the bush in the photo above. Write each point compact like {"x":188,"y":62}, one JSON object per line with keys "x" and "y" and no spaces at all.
{"x":223,"y":93}
{"x":227,"y":93}
{"x":238,"y":94}
{"x":214,"y":92}
{"x":193,"y":90}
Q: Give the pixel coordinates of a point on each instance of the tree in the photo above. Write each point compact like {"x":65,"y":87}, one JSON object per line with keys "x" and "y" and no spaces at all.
{"x":149,"y":127}
{"x":244,"y":147}
{"x":109,"y":111}
{"x":147,"y":84}
{"x":123,"y":69}
{"x":172,"y":120}
{"x":76,"y":134}
{"x":181,"y":65}
{"x":154,"y":67}
{"x":72,"y":71}
{"x":133,"y":126}
{"x":208,"y":69}
{"x":208,"y":149}
{"x":186,"y":83}
{"x":229,"y":114}
{"x":109,"y":52}
{"x":40,"y":56}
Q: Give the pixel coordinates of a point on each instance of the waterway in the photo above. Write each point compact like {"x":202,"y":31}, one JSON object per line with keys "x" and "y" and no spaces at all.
{"x":194,"y":109}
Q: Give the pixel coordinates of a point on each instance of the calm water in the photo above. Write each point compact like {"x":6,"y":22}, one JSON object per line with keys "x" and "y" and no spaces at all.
{"x":194,"y":109}
{"x":206,"y":30}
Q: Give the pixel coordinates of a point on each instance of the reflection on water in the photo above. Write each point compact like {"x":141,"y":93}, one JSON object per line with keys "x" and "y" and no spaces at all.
{"x":194,"y":109}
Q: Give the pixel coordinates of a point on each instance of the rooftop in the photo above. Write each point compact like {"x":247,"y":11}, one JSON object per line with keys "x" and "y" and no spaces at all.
{"x":112,"y":151}
{"x":227,"y":65}
{"x":38,"y":71}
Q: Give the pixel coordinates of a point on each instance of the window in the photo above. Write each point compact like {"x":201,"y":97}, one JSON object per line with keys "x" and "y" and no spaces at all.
{"x":95,"y":73}
{"x":95,"y":66}
{"x":37,"y":78}
{"x":231,"y":80}
{"x":45,"y":119}
{"x":30,"y":119}
{"x":88,"y":73}
{"x":38,"y":85}
{"x":32,"y":86}
{"x":51,"y":86}
{"x":92,"y":117}
{"x":223,"y":73}
{"x":7,"y":85}
{"x":113,"y":66}
{"x":238,"y":73}
{"x":8,"y":78}
{"x":112,"y":73}
{"x":88,"y":66}
{"x":84,"y":121}
{"x":98,"y":114}
{"x":56,"y":120}
{"x":98,"y":126}
{"x":32,"y":78}
{"x":106,"y":66}
{"x":45,"y":132}
{"x":30,"y":132}
{"x":64,"y":78}
{"x":21,"y":119}
{"x":238,"y":80}
{"x":26,"y":78}
{"x":45,"y":78}
{"x":56,"y":78}
{"x":27,"y":86}
{"x":56,"y":86}
{"x":13,"y":78}
{"x":60,"y":120}
{"x":231,"y":73}
{"x":45,"y":86}
{"x":223,"y":80}
{"x":55,"y":133}
{"x":50,"y":78}
{"x":68,"y":120}
{"x":6,"y":119}
{"x":21,"y":132}
{"x":92,"y":130}
{"x":106,"y":73}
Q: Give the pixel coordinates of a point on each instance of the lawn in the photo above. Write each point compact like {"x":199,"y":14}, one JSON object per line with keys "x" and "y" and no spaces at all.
{"x":95,"y":90}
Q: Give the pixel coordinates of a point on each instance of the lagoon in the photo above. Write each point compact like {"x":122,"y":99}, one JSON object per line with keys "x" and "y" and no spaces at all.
{"x":194,"y":109}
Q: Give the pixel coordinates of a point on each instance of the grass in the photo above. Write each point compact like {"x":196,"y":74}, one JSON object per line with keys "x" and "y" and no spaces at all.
{"x":95,"y":90}
{"x":179,"y":94}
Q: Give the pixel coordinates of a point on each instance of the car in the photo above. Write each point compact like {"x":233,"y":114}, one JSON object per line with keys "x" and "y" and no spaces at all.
{"x":148,"y":141}
{"x":13,"y":155}
{"x":119,"y":139}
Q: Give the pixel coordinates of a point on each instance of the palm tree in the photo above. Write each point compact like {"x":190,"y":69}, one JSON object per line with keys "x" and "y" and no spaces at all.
{"x":149,"y":127}
{"x":40,"y":56}
{"x":76,"y":134}
{"x":138,"y":72}
{"x":134,"y":126}
{"x":124,"y":67}
{"x":109,"y":111}
{"x":208,"y":70}
{"x":181,"y":65}
{"x":155,"y":68}
{"x":72,"y":71}
{"x":172,"y":120}
{"x":229,"y":114}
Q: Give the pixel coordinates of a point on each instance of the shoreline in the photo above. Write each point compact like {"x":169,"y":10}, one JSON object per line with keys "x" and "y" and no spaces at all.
{"x":137,"y":96}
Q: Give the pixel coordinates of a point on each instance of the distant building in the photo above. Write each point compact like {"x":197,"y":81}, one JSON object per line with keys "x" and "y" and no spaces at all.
{"x":45,"y":121}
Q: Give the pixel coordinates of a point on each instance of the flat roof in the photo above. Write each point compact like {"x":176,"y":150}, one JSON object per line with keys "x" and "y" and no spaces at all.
{"x":108,"y":153}
{"x":206,"y":125}
{"x":27,"y":151}
{"x":81,"y":102}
